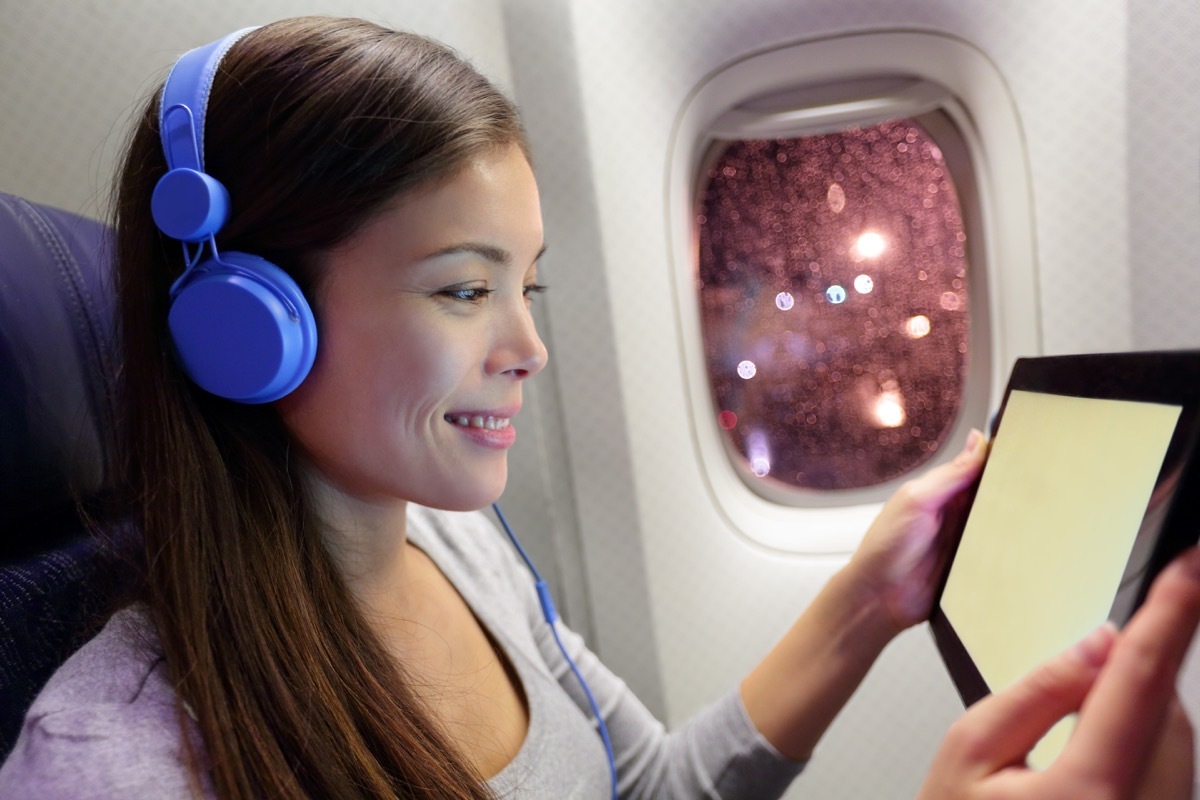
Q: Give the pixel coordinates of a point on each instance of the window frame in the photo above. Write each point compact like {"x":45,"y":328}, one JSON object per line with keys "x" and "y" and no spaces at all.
{"x":831,"y":84}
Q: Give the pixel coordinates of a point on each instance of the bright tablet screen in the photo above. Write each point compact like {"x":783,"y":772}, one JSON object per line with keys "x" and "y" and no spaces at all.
{"x":1064,"y":493}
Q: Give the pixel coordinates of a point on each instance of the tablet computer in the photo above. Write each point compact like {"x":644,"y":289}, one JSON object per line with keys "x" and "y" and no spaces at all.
{"x":1089,"y":489}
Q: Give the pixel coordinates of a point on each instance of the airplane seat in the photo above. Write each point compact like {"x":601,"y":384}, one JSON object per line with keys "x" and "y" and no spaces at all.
{"x":57,"y":369}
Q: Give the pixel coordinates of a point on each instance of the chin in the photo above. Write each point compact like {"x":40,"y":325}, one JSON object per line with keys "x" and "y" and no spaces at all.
{"x":465,"y":498}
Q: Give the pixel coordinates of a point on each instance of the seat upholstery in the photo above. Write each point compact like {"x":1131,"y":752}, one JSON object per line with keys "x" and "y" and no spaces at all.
{"x":57,"y":367}
{"x":56,"y":363}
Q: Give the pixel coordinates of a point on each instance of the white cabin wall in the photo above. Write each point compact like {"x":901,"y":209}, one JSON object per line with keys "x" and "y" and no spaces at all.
{"x":72,"y":72}
{"x":544,"y":48}
{"x":1164,"y":172}
{"x":716,"y":601}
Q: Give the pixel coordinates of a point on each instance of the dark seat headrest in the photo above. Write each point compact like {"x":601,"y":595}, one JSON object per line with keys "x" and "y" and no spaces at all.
{"x":57,"y":366}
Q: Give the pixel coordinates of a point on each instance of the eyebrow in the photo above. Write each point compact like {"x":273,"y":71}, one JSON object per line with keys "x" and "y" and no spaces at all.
{"x":496,"y":255}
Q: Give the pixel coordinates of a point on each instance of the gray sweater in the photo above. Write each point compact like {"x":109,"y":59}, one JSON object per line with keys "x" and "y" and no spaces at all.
{"x":106,"y":724}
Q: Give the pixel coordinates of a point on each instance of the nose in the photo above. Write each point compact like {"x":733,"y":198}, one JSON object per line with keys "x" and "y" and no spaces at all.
{"x":518,"y":350}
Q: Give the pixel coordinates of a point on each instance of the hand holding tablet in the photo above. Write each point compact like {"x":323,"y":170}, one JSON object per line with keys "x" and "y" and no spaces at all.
{"x":1089,"y":490}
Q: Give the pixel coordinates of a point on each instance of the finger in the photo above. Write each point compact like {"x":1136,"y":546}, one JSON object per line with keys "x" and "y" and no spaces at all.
{"x":1001,"y":729}
{"x":1122,"y":718}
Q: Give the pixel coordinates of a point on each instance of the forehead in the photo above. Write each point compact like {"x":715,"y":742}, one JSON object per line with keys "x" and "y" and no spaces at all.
{"x":492,"y":197}
{"x":490,"y":205}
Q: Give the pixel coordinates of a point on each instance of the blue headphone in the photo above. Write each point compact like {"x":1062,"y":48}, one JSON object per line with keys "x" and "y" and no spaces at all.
{"x":241,"y":326}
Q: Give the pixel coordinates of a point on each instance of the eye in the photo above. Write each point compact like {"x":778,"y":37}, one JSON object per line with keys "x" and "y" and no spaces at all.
{"x":532,"y":289}
{"x":469,"y":294}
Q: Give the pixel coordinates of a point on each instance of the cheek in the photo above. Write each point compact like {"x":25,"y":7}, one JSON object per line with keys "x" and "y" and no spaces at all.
{"x":385,"y":375}
{"x":416,"y":360}
{"x":325,"y":413}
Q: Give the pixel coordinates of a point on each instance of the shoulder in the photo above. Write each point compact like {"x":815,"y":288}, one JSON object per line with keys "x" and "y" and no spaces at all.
{"x":105,"y":725}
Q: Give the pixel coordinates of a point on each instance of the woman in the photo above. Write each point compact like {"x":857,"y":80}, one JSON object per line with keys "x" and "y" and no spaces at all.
{"x":304,"y":629}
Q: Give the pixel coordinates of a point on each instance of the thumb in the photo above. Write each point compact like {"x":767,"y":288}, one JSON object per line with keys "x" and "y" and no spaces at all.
{"x":933,"y":488}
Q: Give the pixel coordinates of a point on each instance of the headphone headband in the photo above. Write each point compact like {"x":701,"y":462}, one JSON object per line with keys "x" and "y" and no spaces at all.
{"x":185,"y":101}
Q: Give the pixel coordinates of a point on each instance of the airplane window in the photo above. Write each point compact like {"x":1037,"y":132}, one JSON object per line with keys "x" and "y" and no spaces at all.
{"x":833,"y":290}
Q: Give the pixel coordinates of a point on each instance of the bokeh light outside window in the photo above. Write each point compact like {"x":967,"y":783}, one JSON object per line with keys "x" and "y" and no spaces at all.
{"x":834,"y":304}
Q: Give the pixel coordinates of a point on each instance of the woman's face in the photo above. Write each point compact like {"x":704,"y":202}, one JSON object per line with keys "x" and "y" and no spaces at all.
{"x":425,"y":340}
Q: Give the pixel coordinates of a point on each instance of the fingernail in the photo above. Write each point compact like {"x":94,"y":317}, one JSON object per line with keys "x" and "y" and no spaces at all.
{"x":974,"y":440}
{"x":1093,"y":649}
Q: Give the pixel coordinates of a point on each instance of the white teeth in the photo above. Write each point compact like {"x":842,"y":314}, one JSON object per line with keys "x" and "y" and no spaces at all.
{"x":490,"y":423}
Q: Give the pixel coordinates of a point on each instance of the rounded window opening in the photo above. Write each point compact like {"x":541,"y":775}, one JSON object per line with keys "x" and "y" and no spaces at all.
{"x":833,"y":289}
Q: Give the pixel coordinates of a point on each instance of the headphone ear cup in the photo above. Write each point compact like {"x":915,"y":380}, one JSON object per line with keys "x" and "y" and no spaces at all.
{"x":189,"y":205}
{"x":236,"y":337}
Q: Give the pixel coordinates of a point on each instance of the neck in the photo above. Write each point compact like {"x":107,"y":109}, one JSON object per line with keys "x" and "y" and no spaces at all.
{"x":367,"y":538}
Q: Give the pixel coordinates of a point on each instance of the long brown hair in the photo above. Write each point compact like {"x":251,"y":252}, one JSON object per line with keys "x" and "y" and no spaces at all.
{"x":313,"y":125}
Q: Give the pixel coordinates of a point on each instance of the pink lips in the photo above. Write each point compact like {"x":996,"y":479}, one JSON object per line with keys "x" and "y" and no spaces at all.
{"x":499,"y":439}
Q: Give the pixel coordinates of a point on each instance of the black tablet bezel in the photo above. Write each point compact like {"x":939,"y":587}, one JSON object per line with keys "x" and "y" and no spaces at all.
{"x":1166,"y":377}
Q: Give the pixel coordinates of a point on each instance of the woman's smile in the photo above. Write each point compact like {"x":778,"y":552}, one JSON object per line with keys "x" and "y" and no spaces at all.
{"x":489,"y":429}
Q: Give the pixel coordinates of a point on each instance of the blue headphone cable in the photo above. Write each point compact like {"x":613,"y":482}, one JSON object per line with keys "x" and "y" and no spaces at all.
{"x":551,"y":617}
